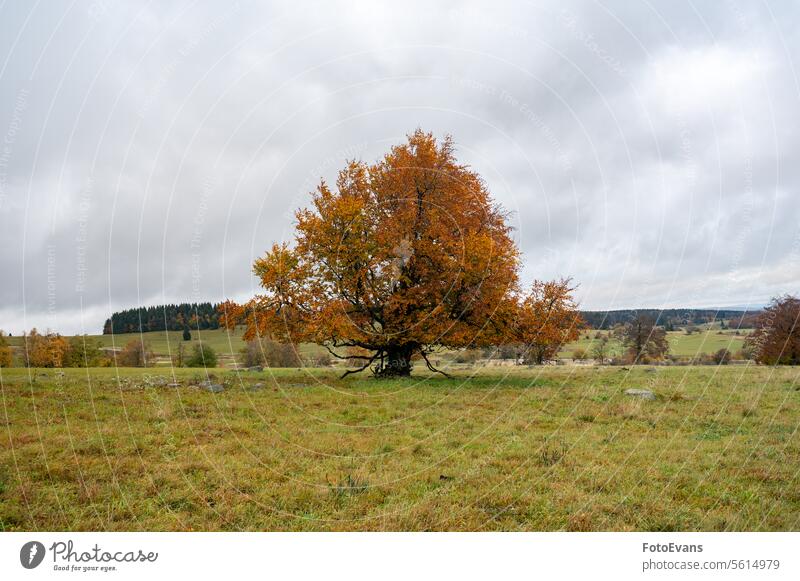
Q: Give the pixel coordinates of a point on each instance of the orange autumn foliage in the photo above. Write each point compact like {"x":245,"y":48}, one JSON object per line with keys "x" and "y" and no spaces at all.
{"x":47,"y":350}
{"x":400,"y":257}
{"x":776,"y":339}
{"x":547,"y":320}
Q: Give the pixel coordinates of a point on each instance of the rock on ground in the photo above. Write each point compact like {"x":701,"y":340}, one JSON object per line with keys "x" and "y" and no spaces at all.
{"x":643,"y":393}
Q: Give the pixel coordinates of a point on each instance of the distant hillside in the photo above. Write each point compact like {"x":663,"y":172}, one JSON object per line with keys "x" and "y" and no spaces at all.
{"x":205,"y":316}
{"x":163,"y":318}
{"x":670,"y":317}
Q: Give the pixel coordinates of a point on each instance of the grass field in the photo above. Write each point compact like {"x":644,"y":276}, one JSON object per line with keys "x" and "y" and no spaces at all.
{"x":553,"y":448}
{"x":682,"y":345}
{"x":228,"y":343}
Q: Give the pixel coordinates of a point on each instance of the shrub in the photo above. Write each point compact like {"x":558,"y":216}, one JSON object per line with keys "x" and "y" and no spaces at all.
{"x":269,"y":353}
{"x":5,"y":351}
{"x":722,"y":357}
{"x":579,"y":355}
{"x":320,"y":360}
{"x":136,"y":353}
{"x":202,"y":356}
{"x":505,"y":351}
{"x":281,"y":354}
{"x":251,"y":355}
{"x":467,"y":356}
{"x":187,"y":335}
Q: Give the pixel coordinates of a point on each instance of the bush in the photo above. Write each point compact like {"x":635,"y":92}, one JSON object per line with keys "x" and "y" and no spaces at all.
{"x":269,"y":353}
{"x":579,"y":355}
{"x":722,"y":357}
{"x":5,"y":351}
{"x":505,"y":351}
{"x":251,"y":355}
{"x":281,"y":354}
{"x":468,"y":356}
{"x":320,"y":360}
{"x":202,"y":356}
{"x":136,"y":353}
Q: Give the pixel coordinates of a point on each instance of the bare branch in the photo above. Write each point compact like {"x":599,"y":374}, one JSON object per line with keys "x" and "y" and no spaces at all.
{"x":431,"y":367}
{"x":360,"y":369}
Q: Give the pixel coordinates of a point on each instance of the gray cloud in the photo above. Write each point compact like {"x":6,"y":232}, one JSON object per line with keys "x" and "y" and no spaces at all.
{"x":149,"y":154}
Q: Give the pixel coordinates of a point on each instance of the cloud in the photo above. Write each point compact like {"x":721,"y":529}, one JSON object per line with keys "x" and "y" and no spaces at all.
{"x":151,"y":153}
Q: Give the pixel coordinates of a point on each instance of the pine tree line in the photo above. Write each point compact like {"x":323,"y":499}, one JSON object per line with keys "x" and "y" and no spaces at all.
{"x":163,"y":318}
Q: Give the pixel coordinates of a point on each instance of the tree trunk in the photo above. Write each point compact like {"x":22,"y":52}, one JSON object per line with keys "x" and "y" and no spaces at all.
{"x":398,"y":361}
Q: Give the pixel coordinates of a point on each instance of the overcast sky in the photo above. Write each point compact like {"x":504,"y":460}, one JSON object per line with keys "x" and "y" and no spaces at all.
{"x":149,"y":153}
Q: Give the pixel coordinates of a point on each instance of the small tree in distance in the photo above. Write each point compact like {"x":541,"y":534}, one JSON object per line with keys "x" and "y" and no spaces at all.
{"x":600,"y":349}
{"x":187,"y":335}
{"x":45,"y":350}
{"x":136,"y":353}
{"x":548,"y":319}
{"x":179,"y":357}
{"x":84,"y":351}
{"x":643,"y":340}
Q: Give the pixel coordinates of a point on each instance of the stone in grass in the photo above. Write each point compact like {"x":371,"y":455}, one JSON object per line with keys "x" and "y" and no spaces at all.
{"x":642,"y":393}
{"x":212,"y":387}
{"x":255,"y":387}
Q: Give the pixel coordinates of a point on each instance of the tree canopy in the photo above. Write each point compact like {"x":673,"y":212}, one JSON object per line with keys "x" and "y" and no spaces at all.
{"x":399,"y":258}
{"x":547,"y":319}
{"x":644,"y":340}
{"x":776,"y":339}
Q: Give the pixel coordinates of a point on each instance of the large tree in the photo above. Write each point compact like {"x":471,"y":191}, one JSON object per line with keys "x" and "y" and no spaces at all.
{"x":776,"y":339}
{"x":401,"y":257}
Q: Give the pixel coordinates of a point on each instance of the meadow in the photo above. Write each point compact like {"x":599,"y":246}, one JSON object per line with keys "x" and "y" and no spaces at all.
{"x":705,"y":341}
{"x":548,"y":448}
{"x":227,"y":344}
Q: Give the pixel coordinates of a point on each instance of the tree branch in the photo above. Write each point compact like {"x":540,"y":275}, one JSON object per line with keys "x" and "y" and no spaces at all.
{"x":360,"y":369}
{"x":431,"y":367}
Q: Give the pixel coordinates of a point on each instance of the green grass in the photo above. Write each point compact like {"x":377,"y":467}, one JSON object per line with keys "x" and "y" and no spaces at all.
{"x":226,"y":344}
{"x":682,"y":345}
{"x":555,"y":448}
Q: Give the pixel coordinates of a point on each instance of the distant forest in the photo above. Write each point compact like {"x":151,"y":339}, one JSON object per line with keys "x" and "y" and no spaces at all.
{"x":205,"y":316}
{"x":164,"y":318}
{"x":671,"y":318}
